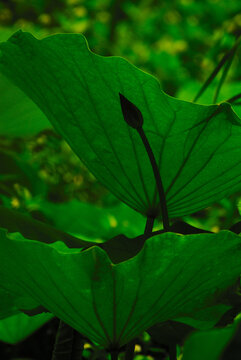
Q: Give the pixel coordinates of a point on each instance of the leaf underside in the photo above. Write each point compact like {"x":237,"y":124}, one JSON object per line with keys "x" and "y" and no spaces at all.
{"x":198,"y":148}
{"x":162,"y":282}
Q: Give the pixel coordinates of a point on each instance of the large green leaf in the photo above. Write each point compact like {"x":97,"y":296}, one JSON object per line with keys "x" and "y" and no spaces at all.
{"x":7,"y":304}
{"x":176,"y":331}
{"x":19,"y":115}
{"x":229,"y":89}
{"x":15,"y":221}
{"x":118,"y":248}
{"x":197,"y":147}
{"x":77,"y":217}
{"x":208,"y":344}
{"x":19,"y":326}
{"x":172,"y":276}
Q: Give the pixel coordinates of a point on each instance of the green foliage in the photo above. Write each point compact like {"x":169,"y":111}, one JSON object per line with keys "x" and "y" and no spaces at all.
{"x":177,"y":41}
{"x":124,"y":299}
{"x":33,"y":229}
{"x":178,"y":283}
{"x":228,"y":90}
{"x":66,"y":81}
{"x":24,"y":118}
{"x":225,"y":63}
{"x":7,"y":304}
{"x":17,"y":327}
{"x":76,"y":218}
{"x":208,"y":344}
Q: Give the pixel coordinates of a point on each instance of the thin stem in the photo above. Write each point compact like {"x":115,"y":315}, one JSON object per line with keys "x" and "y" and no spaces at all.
{"x":149,"y":225}
{"x":226,"y":57}
{"x":233,"y":98}
{"x":223,"y":77}
{"x":69,"y":344}
{"x":157,"y":177}
{"x":63,"y":342}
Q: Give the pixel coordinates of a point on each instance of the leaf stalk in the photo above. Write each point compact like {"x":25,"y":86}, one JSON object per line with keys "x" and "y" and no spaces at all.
{"x":159,"y":184}
{"x":149,"y":225}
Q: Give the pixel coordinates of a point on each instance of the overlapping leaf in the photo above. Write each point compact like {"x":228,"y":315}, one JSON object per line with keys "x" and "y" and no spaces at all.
{"x":14,"y":221}
{"x":198,"y":148}
{"x":76,"y":218}
{"x":172,"y":276}
{"x":209,"y":344}
{"x":17,"y":327}
{"x":118,"y":248}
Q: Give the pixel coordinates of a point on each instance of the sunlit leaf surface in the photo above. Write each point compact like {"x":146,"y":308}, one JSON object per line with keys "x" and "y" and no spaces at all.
{"x":197,"y":147}
{"x":172,"y":276}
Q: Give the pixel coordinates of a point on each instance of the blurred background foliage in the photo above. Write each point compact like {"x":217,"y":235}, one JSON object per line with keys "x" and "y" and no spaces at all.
{"x":177,"y":41}
{"x":180,"y":42}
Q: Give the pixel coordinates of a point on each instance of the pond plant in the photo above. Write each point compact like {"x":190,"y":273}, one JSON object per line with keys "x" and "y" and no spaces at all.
{"x":164,"y":158}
